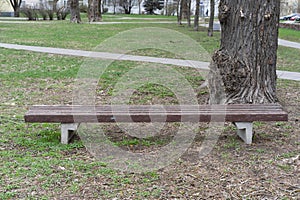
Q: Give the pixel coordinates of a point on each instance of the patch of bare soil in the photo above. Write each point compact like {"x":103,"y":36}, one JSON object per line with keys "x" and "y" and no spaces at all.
{"x":267,"y":169}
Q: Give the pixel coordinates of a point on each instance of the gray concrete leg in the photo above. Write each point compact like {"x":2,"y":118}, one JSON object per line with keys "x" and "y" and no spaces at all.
{"x":245,"y":131}
{"x":67,"y":132}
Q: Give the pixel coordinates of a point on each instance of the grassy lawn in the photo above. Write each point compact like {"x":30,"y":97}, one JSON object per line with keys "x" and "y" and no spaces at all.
{"x":87,"y":36}
{"x":34,"y":165}
{"x":289,"y":34}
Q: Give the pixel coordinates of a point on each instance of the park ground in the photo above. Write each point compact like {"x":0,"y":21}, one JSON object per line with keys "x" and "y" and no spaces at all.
{"x":34,"y":165}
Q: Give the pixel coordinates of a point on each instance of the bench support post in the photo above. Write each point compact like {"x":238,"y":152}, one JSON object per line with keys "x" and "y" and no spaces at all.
{"x":67,"y":132}
{"x":245,"y":131}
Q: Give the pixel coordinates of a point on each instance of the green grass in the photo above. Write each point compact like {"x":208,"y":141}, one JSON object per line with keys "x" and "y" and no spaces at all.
{"x":85,"y":36}
{"x":33,"y":163}
{"x":288,"y":59}
{"x":289,"y":34}
{"x":17,"y":64}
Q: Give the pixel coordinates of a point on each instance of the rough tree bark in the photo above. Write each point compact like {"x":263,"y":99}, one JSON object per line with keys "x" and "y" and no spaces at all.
{"x":245,"y":64}
{"x":74,"y":11}
{"x":211,"y":19}
{"x":94,"y":11}
{"x":196,"y":18}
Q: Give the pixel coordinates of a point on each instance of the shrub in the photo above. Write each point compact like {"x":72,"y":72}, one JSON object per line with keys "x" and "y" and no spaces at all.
{"x":50,"y":14}
{"x":62,"y":13}
{"x":30,"y":12}
{"x":43,"y":13}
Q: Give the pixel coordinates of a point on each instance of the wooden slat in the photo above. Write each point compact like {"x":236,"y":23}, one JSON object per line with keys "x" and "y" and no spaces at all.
{"x":170,"y":113}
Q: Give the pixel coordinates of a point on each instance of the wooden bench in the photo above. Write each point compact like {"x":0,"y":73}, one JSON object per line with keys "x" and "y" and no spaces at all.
{"x":241,"y":115}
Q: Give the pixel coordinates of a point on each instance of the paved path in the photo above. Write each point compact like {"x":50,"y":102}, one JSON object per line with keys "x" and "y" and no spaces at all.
{"x":113,"y":56}
{"x":281,"y":42}
{"x":289,"y":44}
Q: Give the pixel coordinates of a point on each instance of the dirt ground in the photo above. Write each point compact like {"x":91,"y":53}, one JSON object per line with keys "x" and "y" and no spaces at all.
{"x":267,"y":169}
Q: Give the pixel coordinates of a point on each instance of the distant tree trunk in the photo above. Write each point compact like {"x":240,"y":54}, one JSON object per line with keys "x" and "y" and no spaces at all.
{"x":184,"y":8}
{"x":179,"y":12}
{"x":298,"y":9}
{"x":127,"y":5}
{"x":166,"y":2}
{"x":140,"y":2}
{"x":115,"y":5}
{"x":245,"y":64}
{"x":188,"y":12}
{"x":54,"y":5}
{"x":196,"y":18}
{"x":94,"y":11}
{"x":16,"y":4}
{"x":211,"y":18}
{"x":74,"y":11}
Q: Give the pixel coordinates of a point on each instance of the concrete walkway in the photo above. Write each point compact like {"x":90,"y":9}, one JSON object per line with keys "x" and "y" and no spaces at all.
{"x":113,"y":56}
{"x":286,"y":43}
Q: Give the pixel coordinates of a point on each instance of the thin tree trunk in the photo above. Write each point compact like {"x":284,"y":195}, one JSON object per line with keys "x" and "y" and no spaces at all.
{"x":196,"y":19}
{"x":245,"y":64}
{"x":188,"y":12}
{"x":74,"y":11}
{"x":166,"y":7}
{"x":179,"y":12}
{"x":54,"y":5}
{"x":211,"y":18}
{"x":184,"y":8}
{"x":140,"y":2}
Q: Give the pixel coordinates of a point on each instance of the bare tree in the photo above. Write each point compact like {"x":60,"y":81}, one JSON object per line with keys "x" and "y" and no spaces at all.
{"x":211,"y":18}
{"x":94,"y":11}
{"x":54,"y":5}
{"x":188,"y":11}
{"x":16,"y":4}
{"x":140,"y":3}
{"x":166,"y":7}
{"x":196,"y":18}
{"x":74,"y":11}
{"x":127,"y":5}
{"x":179,"y":11}
{"x":245,"y":64}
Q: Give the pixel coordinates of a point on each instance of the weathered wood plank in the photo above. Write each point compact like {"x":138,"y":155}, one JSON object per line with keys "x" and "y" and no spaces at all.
{"x":148,"y":113}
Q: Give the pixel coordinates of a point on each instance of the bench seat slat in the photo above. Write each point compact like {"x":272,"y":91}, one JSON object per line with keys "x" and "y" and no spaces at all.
{"x":170,"y":113}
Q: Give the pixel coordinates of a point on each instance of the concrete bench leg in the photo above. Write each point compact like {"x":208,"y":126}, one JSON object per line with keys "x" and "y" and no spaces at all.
{"x":245,"y":131}
{"x":67,"y":132}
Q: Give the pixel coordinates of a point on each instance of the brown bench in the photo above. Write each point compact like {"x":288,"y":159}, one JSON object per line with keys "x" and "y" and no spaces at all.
{"x":242,"y":115}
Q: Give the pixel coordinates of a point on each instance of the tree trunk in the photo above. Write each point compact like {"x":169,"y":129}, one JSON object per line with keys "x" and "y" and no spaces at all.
{"x":140,"y":2}
{"x":17,"y":12}
{"x":245,"y":64}
{"x":74,"y":11}
{"x":184,"y":9}
{"x":298,"y":9}
{"x":54,"y":5}
{"x":166,"y":2}
{"x":188,"y":12}
{"x":179,"y":12}
{"x":211,"y":18}
{"x":196,"y":19}
{"x":16,"y":4}
{"x":94,"y":11}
